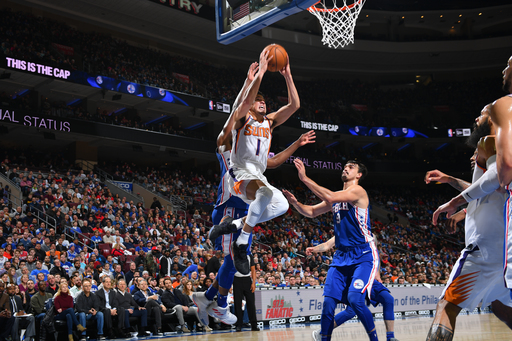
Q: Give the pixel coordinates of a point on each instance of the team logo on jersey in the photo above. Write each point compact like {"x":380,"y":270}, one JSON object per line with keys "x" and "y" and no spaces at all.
{"x":257,"y":131}
{"x":341,"y":206}
{"x":358,"y":284}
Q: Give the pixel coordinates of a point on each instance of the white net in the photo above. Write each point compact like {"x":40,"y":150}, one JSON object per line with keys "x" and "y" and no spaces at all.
{"x":338,"y":23}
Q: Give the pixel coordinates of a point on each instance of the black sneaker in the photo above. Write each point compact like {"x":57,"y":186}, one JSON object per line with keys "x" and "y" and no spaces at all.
{"x":226,"y":226}
{"x":101,"y":337}
{"x":240,"y":258}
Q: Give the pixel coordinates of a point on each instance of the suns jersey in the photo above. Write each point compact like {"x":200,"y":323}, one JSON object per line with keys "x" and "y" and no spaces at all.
{"x":484,"y":221}
{"x":223,"y":194}
{"x":251,"y":145}
{"x":351,"y":225}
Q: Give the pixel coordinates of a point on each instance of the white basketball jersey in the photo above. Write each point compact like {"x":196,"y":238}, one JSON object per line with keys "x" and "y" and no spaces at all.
{"x":251,"y":145}
{"x":484,"y":222}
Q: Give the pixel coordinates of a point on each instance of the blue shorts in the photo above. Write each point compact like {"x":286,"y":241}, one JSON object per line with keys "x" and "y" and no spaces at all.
{"x":223,"y":243}
{"x":377,"y":291}
{"x":357,"y":277}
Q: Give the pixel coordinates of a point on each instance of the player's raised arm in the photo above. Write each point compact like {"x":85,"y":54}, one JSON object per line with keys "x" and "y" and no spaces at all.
{"x":280,"y":158}
{"x":501,"y":116}
{"x":249,"y":96}
{"x":225,"y":134}
{"x":284,"y":113}
{"x":309,"y":211}
{"x":438,"y":176}
{"x":352,"y":194}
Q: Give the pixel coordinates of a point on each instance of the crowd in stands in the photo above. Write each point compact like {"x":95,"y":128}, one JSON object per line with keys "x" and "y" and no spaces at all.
{"x":71,"y":231}
{"x":28,"y":37}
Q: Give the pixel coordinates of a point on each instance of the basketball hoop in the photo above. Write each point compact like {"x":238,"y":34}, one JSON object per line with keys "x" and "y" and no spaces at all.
{"x":338,"y":23}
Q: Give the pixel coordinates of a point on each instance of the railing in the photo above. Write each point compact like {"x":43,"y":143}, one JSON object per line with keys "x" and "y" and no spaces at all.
{"x":178,"y":203}
{"x":15,"y":186}
{"x":80,"y":236}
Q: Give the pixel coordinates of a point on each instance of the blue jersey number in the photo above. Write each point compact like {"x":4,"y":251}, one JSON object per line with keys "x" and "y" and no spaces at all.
{"x":258,"y":148}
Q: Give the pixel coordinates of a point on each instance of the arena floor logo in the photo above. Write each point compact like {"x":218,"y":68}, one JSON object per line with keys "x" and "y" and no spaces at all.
{"x":278,"y":308}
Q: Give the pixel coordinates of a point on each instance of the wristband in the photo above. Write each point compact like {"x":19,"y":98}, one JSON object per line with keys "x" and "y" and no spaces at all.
{"x":465,"y":211}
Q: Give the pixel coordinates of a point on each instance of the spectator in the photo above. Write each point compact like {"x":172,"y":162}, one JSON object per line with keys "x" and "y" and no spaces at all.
{"x":63,"y":303}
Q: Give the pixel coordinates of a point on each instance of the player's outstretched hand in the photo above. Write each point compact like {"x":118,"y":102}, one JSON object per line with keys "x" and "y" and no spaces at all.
{"x":286,"y":70}
{"x":300,"y":167}
{"x":306,"y":138}
{"x":436,"y":176}
{"x":309,"y":251}
{"x":290,"y":197}
{"x":451,"y":223}
{"x":449,"y":208}
{"x":253,"y":69}
{"x":264,"y":59}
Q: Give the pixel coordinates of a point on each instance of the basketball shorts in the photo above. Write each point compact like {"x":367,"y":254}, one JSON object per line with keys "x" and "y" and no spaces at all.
{"x":474,"y":280}
{"x":358,"y":277}
{"x":240,"y":178}
{"x":507,"y":261}
{"x":377,"y":289}
{"x":223,"y":243}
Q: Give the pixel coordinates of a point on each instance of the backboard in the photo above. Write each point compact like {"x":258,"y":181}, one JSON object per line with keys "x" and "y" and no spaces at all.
{"x":250,"y":16}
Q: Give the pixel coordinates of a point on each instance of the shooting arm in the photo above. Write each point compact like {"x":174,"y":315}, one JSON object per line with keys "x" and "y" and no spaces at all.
{"x":284,"y":113}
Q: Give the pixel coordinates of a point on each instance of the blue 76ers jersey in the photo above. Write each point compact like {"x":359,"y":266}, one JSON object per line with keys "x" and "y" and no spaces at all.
{"x":351,"y":225}
{"x":223,"y":194}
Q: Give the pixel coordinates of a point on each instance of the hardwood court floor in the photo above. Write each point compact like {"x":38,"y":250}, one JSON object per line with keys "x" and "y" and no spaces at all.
{"x":469,"y":328}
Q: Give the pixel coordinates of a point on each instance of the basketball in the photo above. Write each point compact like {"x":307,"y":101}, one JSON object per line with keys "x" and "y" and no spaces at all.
{"x":280,"y":57}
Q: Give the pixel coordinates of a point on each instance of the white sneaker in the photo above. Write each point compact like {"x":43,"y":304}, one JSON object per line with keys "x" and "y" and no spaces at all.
{"x":202,"y":304}
{"x":316,"y":335}
{"x":223,"y":314}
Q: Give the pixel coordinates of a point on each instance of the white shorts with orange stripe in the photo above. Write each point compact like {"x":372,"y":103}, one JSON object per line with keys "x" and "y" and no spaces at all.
{"x":474,"y":281}
{"x":508,"y":239}
{"x":238,"y":179}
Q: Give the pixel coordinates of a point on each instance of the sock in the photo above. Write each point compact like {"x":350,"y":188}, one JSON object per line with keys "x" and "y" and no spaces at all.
{"x":239,"y":223}
{"x":211,"y":292}
{"x":222,"y":301}
{"x":373,"y":336}
{"x":390,"y":335}
{"x":243,"y":238}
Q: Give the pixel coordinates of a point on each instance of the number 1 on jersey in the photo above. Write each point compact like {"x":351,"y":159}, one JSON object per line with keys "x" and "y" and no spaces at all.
{"x":258,"y":148}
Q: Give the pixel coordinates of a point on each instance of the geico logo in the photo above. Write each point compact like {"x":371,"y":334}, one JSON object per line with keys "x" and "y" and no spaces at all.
{"x":298,"y":325}
{"x":315,"y":317}
{"x":282,"y":326}
{"x":379,"y":315}
{"x":424,"y":312}
{"x":273,"y":322}
{"x":398,"y":314}
{"x":297,"y":319}
{"x":260,"y":324}
{"x":407,"y":313}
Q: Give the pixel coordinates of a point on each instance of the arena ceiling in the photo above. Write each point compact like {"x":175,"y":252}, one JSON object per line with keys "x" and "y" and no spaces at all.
{"x":149,"y":24}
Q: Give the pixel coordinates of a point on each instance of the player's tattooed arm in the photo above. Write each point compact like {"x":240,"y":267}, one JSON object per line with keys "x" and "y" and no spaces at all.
{"x":439,"y":332}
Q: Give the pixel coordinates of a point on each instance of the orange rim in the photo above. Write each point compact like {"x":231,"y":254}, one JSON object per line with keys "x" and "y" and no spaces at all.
{"x":344,"y":8}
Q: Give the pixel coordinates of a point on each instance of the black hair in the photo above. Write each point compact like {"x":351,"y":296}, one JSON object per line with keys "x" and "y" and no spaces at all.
{"x":361,"y":168}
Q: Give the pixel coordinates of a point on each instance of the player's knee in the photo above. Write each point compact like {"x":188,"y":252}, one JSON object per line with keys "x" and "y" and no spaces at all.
{"x":264,"y":193}
{"x":281,"y":203}
{"x":356,"y":300}
{"x":387,"y":299}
